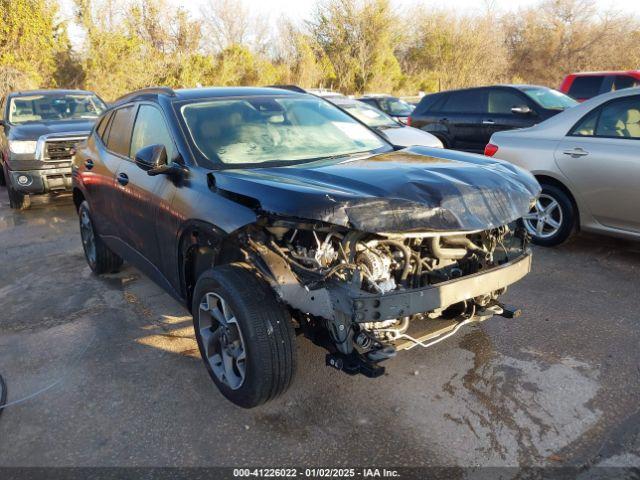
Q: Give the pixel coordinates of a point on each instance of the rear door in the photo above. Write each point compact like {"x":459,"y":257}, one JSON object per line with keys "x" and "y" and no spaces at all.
{"x":102,"y":159}
{"x":601,"y":157}
{"x":143,"y":196}
{"x":461,"y":116}
{"x":499,"y":116}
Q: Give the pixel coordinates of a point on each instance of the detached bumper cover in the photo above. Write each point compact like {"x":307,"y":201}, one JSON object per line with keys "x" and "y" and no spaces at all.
{"x":42,"y":180}
{"x":364,"y":307}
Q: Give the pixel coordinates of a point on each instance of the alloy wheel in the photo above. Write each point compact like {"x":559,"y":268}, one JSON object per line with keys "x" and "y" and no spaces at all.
{"x":222,"y":342}
{"x":544,"y":220}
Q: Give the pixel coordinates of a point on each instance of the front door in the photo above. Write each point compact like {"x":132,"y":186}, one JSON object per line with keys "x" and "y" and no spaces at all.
{"x":601,"y":157}
{"x":145,"y":197}
{"x":499,"y":116}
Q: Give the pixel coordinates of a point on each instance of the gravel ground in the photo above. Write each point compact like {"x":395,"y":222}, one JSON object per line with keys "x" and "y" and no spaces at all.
{"x":110,"y":370}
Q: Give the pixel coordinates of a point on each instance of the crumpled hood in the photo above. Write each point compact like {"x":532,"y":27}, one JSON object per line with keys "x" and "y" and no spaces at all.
{"x":415,"y":189}
{"x":33,"y":130}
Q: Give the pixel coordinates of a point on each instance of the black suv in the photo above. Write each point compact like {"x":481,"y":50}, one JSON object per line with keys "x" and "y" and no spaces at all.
{"x":466,"y":119}
{"x":39,"y":130}
{"x":266,"y":210}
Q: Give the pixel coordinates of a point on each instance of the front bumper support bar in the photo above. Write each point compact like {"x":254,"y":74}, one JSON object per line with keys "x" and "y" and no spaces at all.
{"x":371,"y":307}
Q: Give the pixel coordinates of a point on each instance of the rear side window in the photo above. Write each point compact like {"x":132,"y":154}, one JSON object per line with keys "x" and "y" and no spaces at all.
{"x":370,"y":101}
{"x":502,"y":101}
{"x":620,"y":118}
{"x":119,"y":137}
{"x":465,"y":101}
{"x":625,"y":81}
{"x":616,"y":119}
{"x":586,"y":87}
{"x":151,"y":129}
{"x":102,"y":127}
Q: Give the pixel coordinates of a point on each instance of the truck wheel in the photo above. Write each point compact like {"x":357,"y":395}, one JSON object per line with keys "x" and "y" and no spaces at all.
{"x":18,"y":200}
{"x":99,"y":257}
{"x":245,"y":336}
{"x":552,"y":220}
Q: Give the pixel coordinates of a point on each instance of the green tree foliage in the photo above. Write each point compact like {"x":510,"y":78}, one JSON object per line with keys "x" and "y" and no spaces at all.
{"x":357,"y":36}
{"x":30,"y":42}
{"x":353,"y":46}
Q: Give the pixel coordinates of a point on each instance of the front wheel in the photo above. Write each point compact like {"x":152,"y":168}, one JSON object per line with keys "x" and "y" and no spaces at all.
{"x":99,"y":257}
{"x":245,"y":336}
{"x":552,"y":219}
{"x":18,"y":200}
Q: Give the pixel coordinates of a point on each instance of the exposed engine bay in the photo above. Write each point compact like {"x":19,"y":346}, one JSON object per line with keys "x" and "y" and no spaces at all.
{"x":369,"y":291}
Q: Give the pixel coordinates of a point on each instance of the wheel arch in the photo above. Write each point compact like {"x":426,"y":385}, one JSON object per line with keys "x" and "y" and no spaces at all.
{"x":78,"y":197}
{"x":202,"y":245}
{"x":549,"y":180}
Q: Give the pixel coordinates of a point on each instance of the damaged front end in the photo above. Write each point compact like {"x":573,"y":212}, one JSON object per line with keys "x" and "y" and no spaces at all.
{"x":365,"y":296}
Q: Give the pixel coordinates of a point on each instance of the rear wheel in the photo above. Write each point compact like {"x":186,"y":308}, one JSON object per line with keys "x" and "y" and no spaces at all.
{"x":552,"y":219}
{"x":99,"y":257}
{"x":245,"y":336}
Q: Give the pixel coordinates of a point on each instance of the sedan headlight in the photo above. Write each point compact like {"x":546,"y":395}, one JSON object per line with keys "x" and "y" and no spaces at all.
{"x":22,"y":146}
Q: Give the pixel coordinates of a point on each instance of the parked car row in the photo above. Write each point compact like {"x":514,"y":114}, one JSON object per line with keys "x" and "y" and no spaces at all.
{"x":269,"y":210}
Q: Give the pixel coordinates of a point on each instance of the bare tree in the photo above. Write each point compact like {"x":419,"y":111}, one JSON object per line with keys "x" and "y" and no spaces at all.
{"x":229,"y":22}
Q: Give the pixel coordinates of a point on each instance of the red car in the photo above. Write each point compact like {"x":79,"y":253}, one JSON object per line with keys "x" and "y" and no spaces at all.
{"x":582,"y":86}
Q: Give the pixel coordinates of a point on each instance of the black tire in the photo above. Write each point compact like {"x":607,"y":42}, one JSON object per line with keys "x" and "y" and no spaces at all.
{"x":18,"y":200}
{"x":568,"y":217}
{"x":101,"y":259}
{"x":266,"y":333}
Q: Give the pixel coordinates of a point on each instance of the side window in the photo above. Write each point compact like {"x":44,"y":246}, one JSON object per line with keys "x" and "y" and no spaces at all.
{"x":586,"y":87}
{"x":620,"y":118}
{"x":151,"y":129}
{"x":102,"y":127}
{"x":465,"y":101}
{"x":371,"y":101}
{"x":502,"y":101}
{"x":586,"y":127}
{"x":119,"y":136}
{"x":624,"y":81}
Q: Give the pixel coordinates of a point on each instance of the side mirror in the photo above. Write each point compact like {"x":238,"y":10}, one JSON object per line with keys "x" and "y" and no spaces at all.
{"x":151,"y":158}
{"x":522,"y":110}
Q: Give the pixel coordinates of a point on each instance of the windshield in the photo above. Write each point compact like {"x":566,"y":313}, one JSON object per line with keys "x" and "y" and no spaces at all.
{"x":395,"y":106}
{"x":368,"y":115}
{"x":34,"y":108}
{"x":274,"y":129}
{"x":550,"y":99}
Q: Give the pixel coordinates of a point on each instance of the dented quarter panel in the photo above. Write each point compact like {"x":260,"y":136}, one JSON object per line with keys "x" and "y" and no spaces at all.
{"x":407,"y":190}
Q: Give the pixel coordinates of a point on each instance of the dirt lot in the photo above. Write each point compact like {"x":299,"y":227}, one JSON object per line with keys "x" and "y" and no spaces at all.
{"x":112,"y":370}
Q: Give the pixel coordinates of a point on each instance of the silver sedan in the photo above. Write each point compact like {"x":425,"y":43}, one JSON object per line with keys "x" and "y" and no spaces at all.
{"x":587,"y":160}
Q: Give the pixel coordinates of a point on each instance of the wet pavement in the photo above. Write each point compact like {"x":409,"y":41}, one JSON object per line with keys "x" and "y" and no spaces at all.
{"x":106,"y":373}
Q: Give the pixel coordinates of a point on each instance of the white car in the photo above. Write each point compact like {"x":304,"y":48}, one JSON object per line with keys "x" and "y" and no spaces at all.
{"x":587,"y":160}
{"x":395,"y":132}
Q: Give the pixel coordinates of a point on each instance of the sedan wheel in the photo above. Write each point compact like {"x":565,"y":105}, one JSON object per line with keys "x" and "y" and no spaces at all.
{"x":545,"y":218}
{"x":552,"y":219}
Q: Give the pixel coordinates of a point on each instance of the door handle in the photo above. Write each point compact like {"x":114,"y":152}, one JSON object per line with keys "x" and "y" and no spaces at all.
{"x":488,"y":122}
{"x":123,"y":178}
{"x":88,"y":163}
{"x":576,"y":152}
{"x":443,"y":120}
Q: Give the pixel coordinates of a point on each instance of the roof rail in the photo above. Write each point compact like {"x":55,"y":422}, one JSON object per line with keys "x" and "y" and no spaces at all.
{"x":150,"y":91}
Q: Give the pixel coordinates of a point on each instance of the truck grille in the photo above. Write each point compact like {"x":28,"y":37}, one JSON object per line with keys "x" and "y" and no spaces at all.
{"x":59,"y":150}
